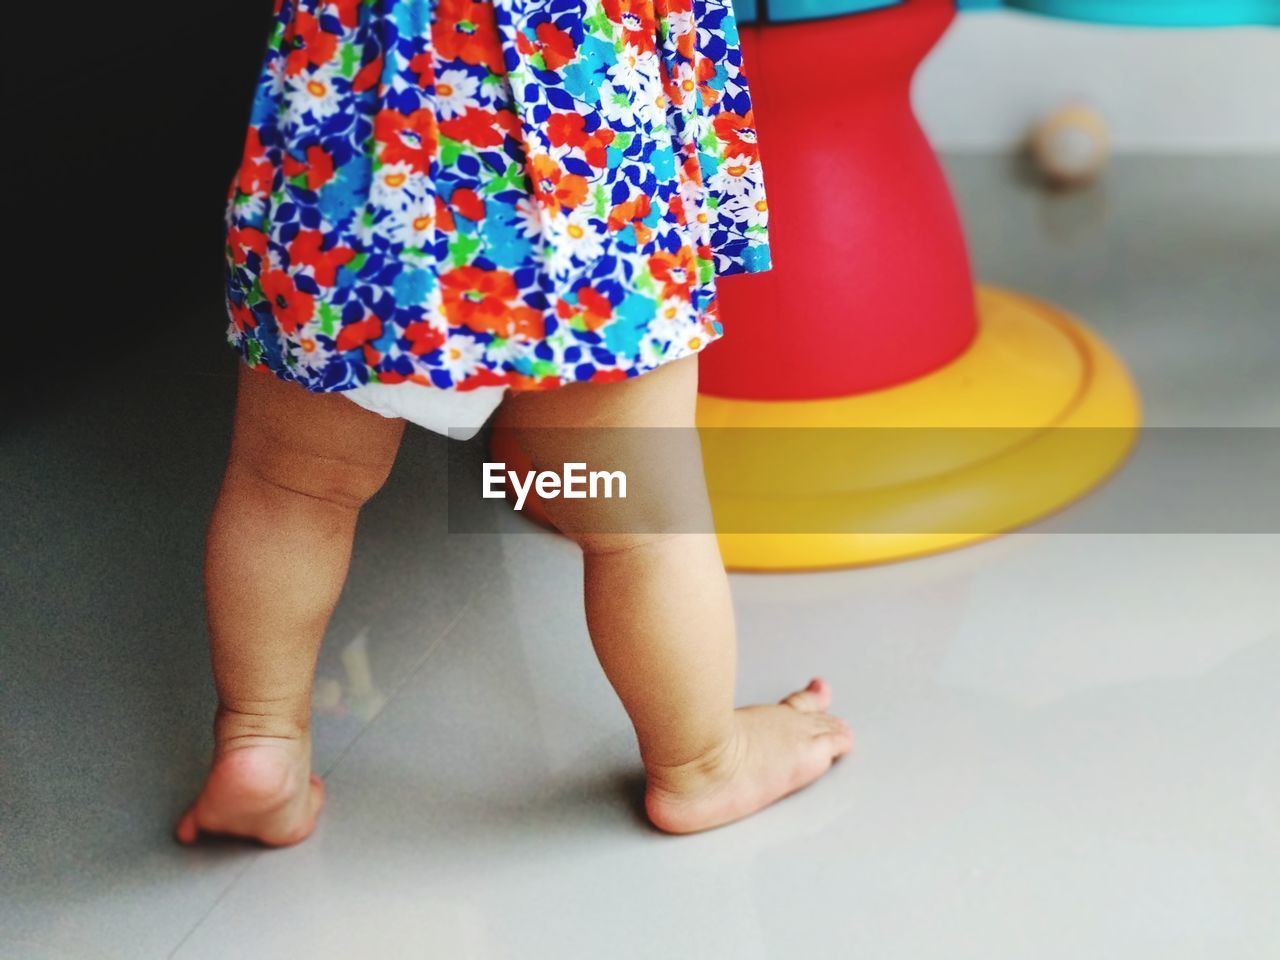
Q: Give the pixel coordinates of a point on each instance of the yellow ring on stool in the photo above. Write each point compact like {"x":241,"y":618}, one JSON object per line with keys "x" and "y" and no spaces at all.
{"x":1031,"y":371}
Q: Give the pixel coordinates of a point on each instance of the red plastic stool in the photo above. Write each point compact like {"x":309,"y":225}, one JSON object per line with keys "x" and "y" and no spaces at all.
{"x":868,"y":328}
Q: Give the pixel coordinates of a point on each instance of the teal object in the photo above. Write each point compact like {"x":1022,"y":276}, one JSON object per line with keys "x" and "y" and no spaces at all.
{"x":1152,"y":13}
{"x":785,"y":11}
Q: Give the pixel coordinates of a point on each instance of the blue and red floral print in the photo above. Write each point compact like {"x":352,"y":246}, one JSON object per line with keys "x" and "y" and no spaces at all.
{"x":485,"y":192}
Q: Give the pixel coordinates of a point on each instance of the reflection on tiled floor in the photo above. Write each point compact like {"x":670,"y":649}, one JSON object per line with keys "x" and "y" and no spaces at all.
{"x":1067,"y":743}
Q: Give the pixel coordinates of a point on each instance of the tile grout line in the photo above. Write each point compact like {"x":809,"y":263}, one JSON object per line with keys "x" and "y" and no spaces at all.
{"x":213,"y":906}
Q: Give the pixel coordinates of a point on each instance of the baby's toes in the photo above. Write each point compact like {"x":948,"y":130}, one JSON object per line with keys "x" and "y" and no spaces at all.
{"x":188,"y":829}
{"x":815,"y":698}
{"x":833,"y":733}
{"x":259,"y":793}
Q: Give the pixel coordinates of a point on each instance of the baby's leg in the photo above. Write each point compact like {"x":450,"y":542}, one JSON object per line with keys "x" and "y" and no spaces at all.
{"x":658,"y":604}
{"x":276,"y":557}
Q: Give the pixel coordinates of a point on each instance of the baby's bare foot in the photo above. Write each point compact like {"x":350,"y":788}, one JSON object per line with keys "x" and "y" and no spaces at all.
{"x":260,"y":788}
{"x":774,"y":750}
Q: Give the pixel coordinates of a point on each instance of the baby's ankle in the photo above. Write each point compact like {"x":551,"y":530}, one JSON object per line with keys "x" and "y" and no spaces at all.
{"x":240,"y":724}
{"x":260,"y":785}
{"x":714,"y":764}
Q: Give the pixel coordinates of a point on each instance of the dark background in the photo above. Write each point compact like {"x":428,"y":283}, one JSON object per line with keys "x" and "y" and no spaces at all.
{"x":123,"y":126}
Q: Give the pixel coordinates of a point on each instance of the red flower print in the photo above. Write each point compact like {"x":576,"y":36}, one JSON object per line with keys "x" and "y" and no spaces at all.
{"x":674,"y":271}
{"x":243,"y":318}
{"x":637,"y":208}
{"x":705,"y":70}
{"x":357,"y":334}
{"x":468,"y":203}
{"x":481,"y":128}
{"x":595,"y":150}
{"x":608,"y":376}
{"x":553,"y":187}
{"x":425,"y":67}
{"x":356,"y":96}
{"x":318,"y":167}
{"x":664,"y":8}
{"x":483,"y":377}
{"x":444,"y":216}
{"x":596,"y":308}
{"x":568,"y":129}
{"x":676,"y":207}
{"x":639,"y":27}
{"x":526,"y":323}
{"x":292,"y":308}
{"x":305,"y":251}
{"x":593,"y":308}
{"x":246,"y":240}
{"x":518,"y":381}
{"x":739,"y":133}
{"x":556,"y":46}
{"x":370,"y":74}
{"x":255,"y":171}
{"x":633,"y":212}
{"x":348,"y":11}
{"x":308,"y":44}
{"x":671,"y":88}
{"x":423,"y":337}
{"x":692,"y":169}
{"x":685,"y":41}
{"x":477,"y":298}
{"x":410,"y":139}
{"x":466,"y":30}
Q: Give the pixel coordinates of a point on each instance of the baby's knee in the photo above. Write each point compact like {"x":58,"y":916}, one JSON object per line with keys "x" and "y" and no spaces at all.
{"x":285,"y":469}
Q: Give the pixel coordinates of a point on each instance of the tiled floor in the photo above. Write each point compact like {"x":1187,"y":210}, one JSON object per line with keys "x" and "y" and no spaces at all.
{"x":1068,"y":743}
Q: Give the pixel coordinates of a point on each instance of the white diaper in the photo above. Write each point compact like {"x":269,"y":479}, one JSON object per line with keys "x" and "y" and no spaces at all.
{"x":454,"y":413}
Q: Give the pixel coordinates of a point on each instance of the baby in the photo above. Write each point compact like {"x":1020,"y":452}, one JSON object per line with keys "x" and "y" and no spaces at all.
{"x":443,"y":205}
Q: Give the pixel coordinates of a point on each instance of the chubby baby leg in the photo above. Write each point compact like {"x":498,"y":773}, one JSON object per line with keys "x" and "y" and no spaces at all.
{"x":277,"y":551}
{"x":658,"y":604}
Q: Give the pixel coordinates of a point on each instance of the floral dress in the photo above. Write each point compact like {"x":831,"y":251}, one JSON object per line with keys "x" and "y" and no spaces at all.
{"x":465,"y":193}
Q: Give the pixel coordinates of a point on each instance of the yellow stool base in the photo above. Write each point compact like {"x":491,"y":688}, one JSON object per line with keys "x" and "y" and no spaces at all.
{"x":1031,"y":371}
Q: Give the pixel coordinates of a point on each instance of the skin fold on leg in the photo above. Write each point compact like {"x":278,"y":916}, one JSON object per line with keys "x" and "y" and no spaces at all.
{"x":657,"y":599}
{"x":658,"y":605}
{"x":276,"y":558}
